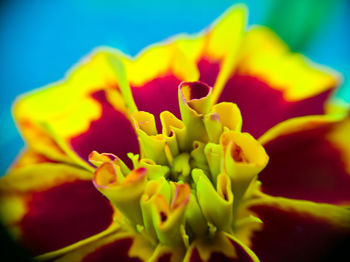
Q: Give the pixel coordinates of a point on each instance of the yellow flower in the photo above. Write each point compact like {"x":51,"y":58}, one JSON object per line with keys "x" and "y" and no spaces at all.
{"x":222,"y":146}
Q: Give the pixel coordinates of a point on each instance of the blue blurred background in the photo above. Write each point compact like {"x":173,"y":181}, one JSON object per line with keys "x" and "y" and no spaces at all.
{"x":40,"y":40}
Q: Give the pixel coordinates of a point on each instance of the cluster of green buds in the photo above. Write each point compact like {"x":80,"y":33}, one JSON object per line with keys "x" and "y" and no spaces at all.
{"x":190,"y":181}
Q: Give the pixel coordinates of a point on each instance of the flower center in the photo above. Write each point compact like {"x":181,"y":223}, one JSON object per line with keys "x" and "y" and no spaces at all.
{"x":189,"y":181}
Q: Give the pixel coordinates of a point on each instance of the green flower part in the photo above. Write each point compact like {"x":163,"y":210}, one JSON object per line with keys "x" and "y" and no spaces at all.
{"x":207,"y":165}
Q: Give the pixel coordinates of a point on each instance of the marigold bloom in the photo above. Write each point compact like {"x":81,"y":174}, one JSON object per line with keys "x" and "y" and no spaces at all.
{"x":222,"y":146}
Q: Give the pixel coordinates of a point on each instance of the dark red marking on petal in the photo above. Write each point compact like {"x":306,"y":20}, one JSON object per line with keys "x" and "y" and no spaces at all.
{"x":198,"y":90}
{"x":238,"y":154}
{"x":263,"y":107}
{"x":158,"y":95}
{"x":195,"y":257}
{"x":115,"y":251}
{"x":289,"y":236}
{"x":111,"y":133}
{"x":242,"y":255}
{"x":165,"y":258}
{"x":63,"y":215}
{"x":163,"y":217}
{"x":208,"y":71}
{"x":305,"y":165}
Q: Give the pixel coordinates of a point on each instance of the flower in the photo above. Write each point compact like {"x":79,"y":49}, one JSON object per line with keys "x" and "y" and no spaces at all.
{"x":145,"y":159}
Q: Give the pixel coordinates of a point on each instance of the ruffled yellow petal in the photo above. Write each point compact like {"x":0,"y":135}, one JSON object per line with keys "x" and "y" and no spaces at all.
{"x":294,"y":230}
{"x":308,"y":149}
{"x":44,"y":206}
{"x":264,"y":55}
{"x":124,"y":246}
{"x":64,"y":120}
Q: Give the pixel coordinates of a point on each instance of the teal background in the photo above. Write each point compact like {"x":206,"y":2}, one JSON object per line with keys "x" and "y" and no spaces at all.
{"x":40,"y":39}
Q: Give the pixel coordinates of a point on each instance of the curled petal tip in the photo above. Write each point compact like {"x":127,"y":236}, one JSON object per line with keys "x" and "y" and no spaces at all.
{"x":136,"y":175}
{"x":194,"y":90}
{"x":243,"y":148}
{"x":105,"y":175}
{"x":96,"y":158}
{"x":197,"y":95}
{"x":182,"y":195}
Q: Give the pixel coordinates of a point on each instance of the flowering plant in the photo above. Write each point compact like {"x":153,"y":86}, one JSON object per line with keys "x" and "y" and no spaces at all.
{"x":222,"y":146}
